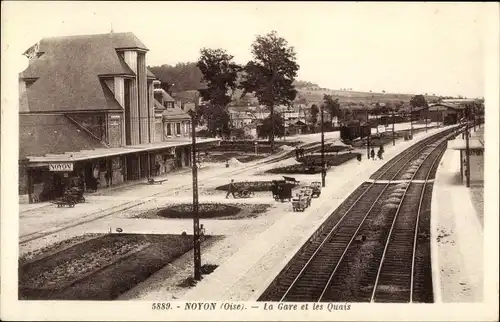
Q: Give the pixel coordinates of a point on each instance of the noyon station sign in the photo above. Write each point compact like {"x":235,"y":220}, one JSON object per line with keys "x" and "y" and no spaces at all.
{"x":65,"y":167}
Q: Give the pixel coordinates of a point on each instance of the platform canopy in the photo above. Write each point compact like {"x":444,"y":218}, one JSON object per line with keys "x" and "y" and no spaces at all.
{"x":109,"y":152}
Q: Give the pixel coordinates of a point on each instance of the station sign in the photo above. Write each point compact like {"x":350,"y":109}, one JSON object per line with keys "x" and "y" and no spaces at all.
{"x":63,"y":167}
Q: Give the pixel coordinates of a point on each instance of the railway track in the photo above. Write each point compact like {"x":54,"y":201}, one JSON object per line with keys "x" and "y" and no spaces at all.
{"x":360,"y":253}
{"x":26,"y":238}
{"x":309,"y":147}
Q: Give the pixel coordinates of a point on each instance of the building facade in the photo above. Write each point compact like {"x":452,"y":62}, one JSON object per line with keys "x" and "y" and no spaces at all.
{"x":89,"y":113}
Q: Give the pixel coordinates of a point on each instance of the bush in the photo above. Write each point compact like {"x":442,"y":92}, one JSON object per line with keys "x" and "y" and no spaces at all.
{"x":205,"y":210}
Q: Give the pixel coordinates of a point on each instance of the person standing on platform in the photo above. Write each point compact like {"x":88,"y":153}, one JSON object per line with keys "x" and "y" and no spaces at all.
{"x":372,"y":154}
{"x":379,"y":154}
{"x":157,"y":168}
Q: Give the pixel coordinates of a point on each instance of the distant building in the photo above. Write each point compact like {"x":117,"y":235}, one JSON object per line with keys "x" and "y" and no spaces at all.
{"x":239,"y":119}
{"x":89,"y":113}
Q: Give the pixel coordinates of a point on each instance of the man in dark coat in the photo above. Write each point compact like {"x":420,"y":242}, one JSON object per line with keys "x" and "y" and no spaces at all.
{"x":231,"y":189}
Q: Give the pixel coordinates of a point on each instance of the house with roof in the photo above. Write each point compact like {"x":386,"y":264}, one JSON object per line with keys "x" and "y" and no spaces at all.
{"x":447,"y":113}
{"x":240,"y":118}
{"x":88,"y":113}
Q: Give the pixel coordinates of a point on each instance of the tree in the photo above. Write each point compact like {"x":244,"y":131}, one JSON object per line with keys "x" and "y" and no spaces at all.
{"x":184,"y":76}
{"x":418,"y":101}
{"x":266,"y":129}
{"x":314,"y":116}
{"x":271,"y":73}
{"x":219,"y":73}
{"x":332,"y":106}
{"x":217,"y":119}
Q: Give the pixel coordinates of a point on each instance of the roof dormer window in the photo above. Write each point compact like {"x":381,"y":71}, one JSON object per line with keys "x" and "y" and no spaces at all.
{"x":29,"y":82}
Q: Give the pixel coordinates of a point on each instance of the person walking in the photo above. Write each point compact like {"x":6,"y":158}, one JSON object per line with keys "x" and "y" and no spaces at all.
{"x":231,"y":189}
{"x":372,"y":154}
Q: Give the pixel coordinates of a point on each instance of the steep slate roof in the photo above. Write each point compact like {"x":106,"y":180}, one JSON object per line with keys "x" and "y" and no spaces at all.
{"x":67,"y":72}
{"x":158,"y":106}
{"x":40,"y":134}
{"x":165,"y":95}
{"x":175,"y":114}
{"x":190,"y":96}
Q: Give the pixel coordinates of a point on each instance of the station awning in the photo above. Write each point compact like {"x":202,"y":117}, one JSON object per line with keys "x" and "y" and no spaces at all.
{"x":109,"y":152}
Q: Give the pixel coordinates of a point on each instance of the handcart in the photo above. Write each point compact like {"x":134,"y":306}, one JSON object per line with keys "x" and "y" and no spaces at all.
{"x":244,"y":194}
{"x":299,"y":203}
{"x":316,"y":188}
{"x":64,"y":201}
{"x":75,"y":193}
{"x":153,"y":181}
{"x":307,"y":193}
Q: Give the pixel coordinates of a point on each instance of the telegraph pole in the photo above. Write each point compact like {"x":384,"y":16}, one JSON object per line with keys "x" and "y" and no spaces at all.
{"x":323,"y":165}
{"x":426,"y":116}
{"x":196,"y":218}
{"x":393,"y":133}
{"x":368,"y":138}
{"x":411,"y":121}
{"x":467,"y":152}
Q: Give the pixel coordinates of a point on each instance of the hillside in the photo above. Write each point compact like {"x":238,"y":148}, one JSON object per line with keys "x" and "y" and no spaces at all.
{"x":186,"y":76}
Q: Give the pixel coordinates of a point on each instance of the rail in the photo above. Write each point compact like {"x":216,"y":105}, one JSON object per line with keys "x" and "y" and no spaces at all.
{"x":410,"y":152}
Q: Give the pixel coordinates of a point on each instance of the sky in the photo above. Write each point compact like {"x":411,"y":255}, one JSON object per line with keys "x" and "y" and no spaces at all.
{"x":396,"y":47}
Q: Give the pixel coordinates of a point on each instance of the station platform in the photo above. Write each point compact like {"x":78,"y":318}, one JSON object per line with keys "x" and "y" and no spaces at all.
{"x":456,"y":236}
{"x":247,"y":273}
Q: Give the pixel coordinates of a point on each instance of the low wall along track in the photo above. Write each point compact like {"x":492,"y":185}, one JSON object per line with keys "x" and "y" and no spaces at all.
{"x":375,"y":246}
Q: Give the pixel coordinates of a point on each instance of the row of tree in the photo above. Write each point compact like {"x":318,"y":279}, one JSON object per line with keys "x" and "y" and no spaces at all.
{"x":269,"y":76}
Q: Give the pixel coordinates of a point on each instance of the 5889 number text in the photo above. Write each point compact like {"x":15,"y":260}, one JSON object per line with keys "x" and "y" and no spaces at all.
{"x":160,"y":306}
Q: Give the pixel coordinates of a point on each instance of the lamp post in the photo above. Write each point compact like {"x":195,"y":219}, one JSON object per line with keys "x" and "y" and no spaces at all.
{"x":323,"y":166}
{"x":196,"y":218}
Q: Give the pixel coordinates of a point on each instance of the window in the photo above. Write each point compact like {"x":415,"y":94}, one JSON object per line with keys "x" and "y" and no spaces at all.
{"x":185,"y":128}
{"x":169,"y":129}
{"x":178,"y":128}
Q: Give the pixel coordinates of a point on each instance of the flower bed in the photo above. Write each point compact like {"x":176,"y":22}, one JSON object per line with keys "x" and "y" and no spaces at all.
{"x":311,"y":164}
{"x":101,"y":268}
{"x":249,"y":185}
{"x":208,"y":210}
{"x":332,"y":159}
{"x":215,"y":157}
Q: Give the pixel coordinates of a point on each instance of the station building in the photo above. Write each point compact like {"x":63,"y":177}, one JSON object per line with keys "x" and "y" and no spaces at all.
{"x":89,"y":111}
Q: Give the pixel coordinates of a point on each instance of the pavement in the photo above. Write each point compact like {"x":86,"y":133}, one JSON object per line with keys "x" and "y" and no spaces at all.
{"x":252,"y":267}
{"x":252,"y":252}
{"x":456,"y":237}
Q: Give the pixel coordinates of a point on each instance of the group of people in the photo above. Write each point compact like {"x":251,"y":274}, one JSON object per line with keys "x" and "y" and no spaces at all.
{"x":380,"y":153}
{"x":299,"y":152}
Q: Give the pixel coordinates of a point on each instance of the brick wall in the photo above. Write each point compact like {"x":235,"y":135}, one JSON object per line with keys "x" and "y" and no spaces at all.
{"x":92,"y":122}
{"x":23,"y":179}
